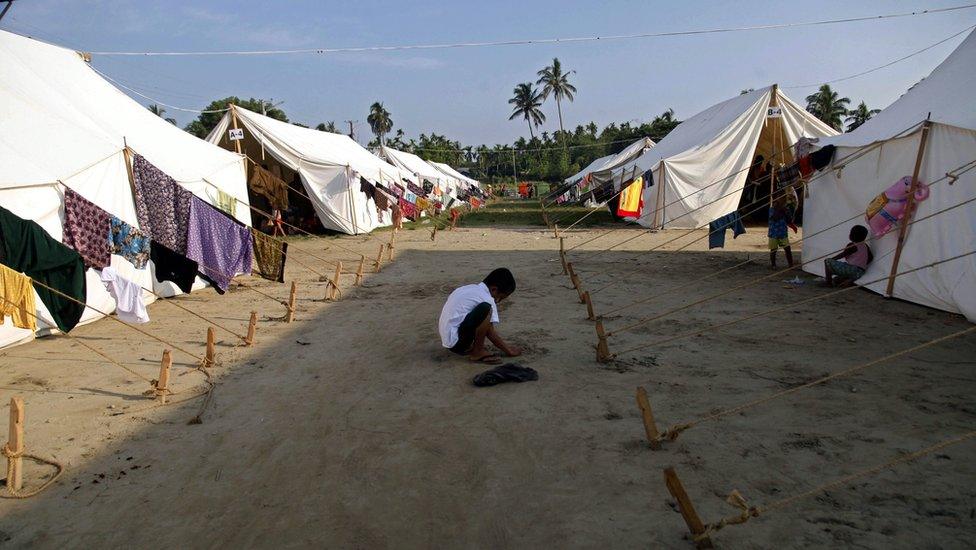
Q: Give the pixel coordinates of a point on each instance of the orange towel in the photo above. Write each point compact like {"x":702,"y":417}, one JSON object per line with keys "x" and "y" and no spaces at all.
{"x":632,"y":199}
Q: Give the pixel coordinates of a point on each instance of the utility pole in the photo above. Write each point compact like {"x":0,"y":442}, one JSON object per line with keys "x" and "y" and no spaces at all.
{"x":265,"y":105}
{"x":6,"y":8}
{"x":352,"y":133}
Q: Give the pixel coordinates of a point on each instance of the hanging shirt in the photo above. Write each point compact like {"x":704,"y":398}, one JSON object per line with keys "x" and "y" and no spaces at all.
{"x":129,"y":306}
{"x":222,"y":246}
{"x":128,"y":242}
{"x":632,"y":199}
{"x":457,"y":307}
{"x":173,"y":267}
{"x":86,"y":229}
{"x":223,"y":201}
{"x":269,"y":256}
{"x":17,"y":299}
{"x":269,"y":186}
{"x":162,"y":205}
{"x":27,"y":248}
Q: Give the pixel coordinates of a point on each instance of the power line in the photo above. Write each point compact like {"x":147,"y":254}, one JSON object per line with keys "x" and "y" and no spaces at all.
{"x":533,"y":41}
{"x":878,"y":68}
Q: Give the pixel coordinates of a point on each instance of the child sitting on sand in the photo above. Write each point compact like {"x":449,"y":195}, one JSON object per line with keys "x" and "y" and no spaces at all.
{"x":779,"y":217}
{"x":470,"y":314}
{"x":850,"y":264}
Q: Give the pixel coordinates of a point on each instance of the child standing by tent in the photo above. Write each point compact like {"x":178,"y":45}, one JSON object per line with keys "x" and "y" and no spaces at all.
{"x":779,"y":217}
{"x":852,"y":262}
{"x":470,"y":314}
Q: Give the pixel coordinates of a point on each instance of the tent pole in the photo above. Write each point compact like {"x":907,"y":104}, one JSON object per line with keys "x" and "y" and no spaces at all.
{"x":774,"y":125}
{"x":659,"y":203}
{"x":233,"y":113}
{"x":909,"y":206}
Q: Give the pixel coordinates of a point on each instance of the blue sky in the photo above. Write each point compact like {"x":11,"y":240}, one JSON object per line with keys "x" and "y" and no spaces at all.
{"x":463,"y":93}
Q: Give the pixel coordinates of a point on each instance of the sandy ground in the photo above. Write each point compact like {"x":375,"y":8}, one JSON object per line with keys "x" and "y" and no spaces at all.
{"x":352,"y":428}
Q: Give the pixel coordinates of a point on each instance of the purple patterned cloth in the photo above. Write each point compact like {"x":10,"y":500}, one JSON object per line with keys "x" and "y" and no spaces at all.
{"x":87,"y":229}
{"x":162,"y":205}
{"x":220,"y":245}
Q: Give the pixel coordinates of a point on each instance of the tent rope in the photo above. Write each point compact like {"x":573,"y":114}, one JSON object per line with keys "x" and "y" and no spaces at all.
{"x":675,"y":430}
{"x":958,"y":171}
{"x":749,"y":512}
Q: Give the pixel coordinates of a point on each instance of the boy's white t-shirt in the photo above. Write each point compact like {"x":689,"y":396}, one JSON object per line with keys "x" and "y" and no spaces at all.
{"x":458,"y":305}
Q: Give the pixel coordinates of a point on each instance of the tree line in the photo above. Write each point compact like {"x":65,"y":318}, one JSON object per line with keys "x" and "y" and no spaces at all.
{"x":547,"y":156}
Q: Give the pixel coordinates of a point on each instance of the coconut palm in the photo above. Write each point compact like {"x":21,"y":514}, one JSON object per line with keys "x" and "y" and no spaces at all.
{"x":379,"y":120}
{"x":826,"y":105}
{"x":527,"y":101}
{"x":327,"y":127}
{"x":556,"y":83}
{"x":859,"y":115}
{"x":158,"y":110}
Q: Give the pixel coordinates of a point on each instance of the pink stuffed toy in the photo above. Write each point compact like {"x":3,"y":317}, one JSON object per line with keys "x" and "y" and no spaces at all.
{"x":889,"y":207}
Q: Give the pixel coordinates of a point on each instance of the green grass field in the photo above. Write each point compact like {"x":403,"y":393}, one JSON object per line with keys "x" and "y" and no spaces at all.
{"x":528,"y":212}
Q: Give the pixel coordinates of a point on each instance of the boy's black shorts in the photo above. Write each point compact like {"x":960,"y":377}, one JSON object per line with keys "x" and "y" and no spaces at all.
{"x":469,"y":325}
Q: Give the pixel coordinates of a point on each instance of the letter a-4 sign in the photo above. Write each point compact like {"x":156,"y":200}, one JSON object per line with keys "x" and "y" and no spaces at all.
{"x":236,"y":134}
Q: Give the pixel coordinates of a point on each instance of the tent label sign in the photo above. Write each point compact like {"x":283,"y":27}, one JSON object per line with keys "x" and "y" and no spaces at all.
{"x":236,"y":134}
{"x":771,"y":112}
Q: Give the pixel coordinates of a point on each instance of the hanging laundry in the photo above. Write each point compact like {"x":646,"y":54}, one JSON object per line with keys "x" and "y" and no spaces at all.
{"x":410,"y":197}
{"x":631,"y":199}
{"x":382,"y":199}
{"x":716,"y":229}
{"x":129,"y":306}
{"x":422,"y":204}
{"x":85,"y":229}
{"x":162,"y":205}
{"x":475,"y":202}
{"x":416,"y":189}
{"x":269,"y":256}
{"x":269,"y":186}
{"x":173,"y":267}
{"x":17,"y":299}
{"x":366,"y":187}
{"x":408,"y":210}
{"x":221,"y":246}
{"x":128,"y":242}
{"x":223,"y":201}
{"x":27,"y":248}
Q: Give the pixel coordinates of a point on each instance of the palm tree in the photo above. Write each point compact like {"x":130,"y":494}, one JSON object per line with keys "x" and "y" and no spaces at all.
{"x":327,"y":127}
{"x":828,"y":106}
{"x":527,"y":101}
{"x":158,"y":110}
{"x":556,"y":83}
{"x":379,"y":120}
{"x":859,"y":116}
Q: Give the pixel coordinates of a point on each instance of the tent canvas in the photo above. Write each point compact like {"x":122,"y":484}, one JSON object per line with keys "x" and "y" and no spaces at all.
{"x":420,"y":169}
{"x":451,"y":172}
{"x":61,"y":122}
{"x":329,"y":165}
{"x":602,"y":169}
{"x":700,"y":168}
{"x":881,"y":160}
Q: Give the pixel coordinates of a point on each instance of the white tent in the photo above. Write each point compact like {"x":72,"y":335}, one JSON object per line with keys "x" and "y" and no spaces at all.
{"x":700,"y":168}
{"x":420,"y":169}
{"x":451,"y":172}
{"x":882,"y":159}
{"x":62,"y":125}
{"x":602,"y":169}
{"x":329,"y":165}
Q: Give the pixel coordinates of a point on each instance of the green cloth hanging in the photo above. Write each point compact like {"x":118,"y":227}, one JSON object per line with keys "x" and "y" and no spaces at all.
{"x":26,"y":247}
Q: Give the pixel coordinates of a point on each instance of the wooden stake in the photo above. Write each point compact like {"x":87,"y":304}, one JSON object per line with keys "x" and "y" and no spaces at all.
{"x":291,"y":301}
{"x":208,"y":360}
{"x":562,"y":254}
{"x":360,"y":271}
{"x":333,"y":292}
{"x":589,"y":306}
{"x":392,"y":244}
{"x":688,"y":512}
{"x":580,"y":291}
{"x":162,"y":385}
{"x":602,"y":349}
{"x":433,"y":234}
{"x":909,"y":206}
{"x":252,"y":326}
{"x":15,"y":445}
{"x":650,"y":428}
{"x":379,"y":260}
{"x":555,"y":230}
{"x":570,"y":270}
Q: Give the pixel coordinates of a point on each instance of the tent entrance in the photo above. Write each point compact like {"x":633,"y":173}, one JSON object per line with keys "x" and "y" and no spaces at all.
{"x":300,"y":212}
{"x":773,"y":150}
